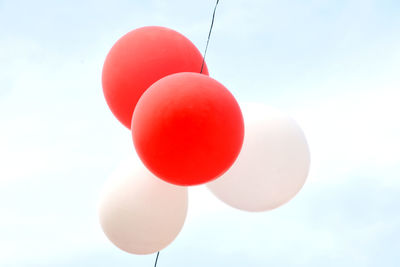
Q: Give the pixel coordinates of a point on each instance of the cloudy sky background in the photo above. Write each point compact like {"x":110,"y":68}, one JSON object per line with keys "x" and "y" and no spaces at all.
{"x":332,"y":65}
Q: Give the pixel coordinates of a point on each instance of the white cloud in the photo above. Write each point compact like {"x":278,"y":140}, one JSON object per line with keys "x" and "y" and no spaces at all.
{"x":353,"y":131}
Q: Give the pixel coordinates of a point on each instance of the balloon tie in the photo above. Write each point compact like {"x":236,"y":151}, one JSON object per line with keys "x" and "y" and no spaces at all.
{"x":209,"y":34}
{"x":155,"y":264}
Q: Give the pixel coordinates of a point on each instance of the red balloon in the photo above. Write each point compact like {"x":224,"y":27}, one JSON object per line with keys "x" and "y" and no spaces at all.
{"x":140,"y":58}
{"x":187,"y":129}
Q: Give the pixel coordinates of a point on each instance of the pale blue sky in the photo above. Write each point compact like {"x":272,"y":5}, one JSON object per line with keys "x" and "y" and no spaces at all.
{"x":332,"y":65}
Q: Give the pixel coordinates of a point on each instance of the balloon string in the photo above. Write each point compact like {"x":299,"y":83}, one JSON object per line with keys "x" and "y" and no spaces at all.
{"x":201,"y":71}
{"x":209,"y":34}
{"x":155,"y":264}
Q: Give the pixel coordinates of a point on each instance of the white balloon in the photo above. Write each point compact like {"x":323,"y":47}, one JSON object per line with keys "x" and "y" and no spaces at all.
{"x":140,"y":213}
{"x":272,"y":165}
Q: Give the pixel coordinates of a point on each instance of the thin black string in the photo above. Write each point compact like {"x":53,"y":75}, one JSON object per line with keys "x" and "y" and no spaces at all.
{"x":201,"y":71}
{"x":155,"y":264}
{"x":209,"y":34}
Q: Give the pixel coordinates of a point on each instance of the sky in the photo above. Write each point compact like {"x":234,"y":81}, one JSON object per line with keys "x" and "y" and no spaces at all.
{"x":332,"y":65}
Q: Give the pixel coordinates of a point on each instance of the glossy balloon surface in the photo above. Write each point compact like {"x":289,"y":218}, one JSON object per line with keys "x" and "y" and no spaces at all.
{"x":272,"y":165}
{"x":187,"y":129}
{"x":140,"y":58}
{"x":140,"y":213}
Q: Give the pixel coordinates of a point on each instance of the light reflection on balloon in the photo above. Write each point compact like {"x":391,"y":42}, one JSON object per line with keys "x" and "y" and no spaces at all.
{"x":272,"y":165}
{"x":140,"y":213}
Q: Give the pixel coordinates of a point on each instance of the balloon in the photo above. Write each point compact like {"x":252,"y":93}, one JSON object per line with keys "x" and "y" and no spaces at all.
{"x":272,"y":165}
{"x":140,"y":213}
{"x":140,"y":58}
{"x":187,"y":129}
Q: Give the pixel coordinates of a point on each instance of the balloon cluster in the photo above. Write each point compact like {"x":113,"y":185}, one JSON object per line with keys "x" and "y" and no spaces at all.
{"x":188,"y":129}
